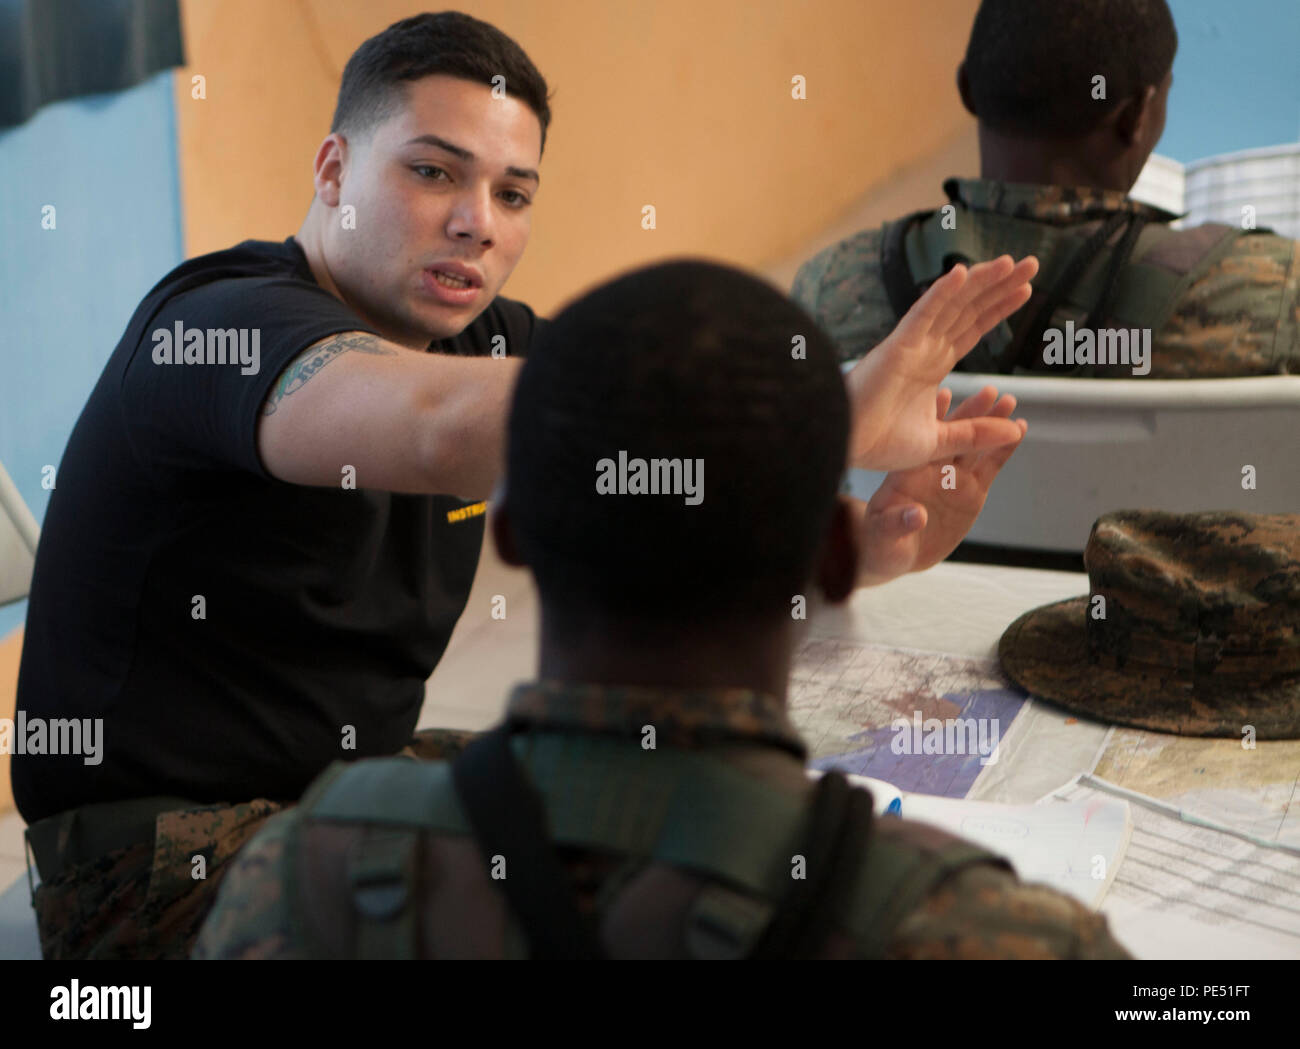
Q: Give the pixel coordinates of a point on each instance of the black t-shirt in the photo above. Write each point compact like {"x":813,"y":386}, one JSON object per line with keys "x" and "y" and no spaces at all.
{"x":235,"y":633}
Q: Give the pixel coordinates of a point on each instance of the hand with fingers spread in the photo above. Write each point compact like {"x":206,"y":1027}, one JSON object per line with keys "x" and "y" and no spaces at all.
{"x":892,"y":390}
{"x":913,"y":521}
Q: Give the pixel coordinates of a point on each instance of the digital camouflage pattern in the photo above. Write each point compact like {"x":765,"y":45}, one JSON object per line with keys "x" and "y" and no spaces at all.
{"x":1201,"y":627}
{"x":985,"y":912}
{"x":254,"y":896}
{"x":287,"y":895}
{"x":1240,"y":317}
{"x":436,"y":744}
{"x":982,"y":912}
{"x":143,"y":901}
{"x":681,"y":717}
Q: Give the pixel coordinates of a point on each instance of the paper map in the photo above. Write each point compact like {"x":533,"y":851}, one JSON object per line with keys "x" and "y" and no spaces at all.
{"x":847,"y":698}
{"x":1253,"y":790}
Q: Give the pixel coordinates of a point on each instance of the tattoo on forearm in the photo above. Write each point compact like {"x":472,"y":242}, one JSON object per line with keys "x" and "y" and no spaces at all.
{"x":314,"y":358}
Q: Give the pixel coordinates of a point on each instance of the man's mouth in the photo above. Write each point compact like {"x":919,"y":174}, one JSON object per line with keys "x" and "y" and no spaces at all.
{"x":453,"y":283}
{"x":456,"y":275}
{"x":449,"y":281}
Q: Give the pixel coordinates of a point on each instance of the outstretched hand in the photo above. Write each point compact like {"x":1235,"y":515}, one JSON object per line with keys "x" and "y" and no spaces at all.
{"x":918,"y":516}
{"x":893,"y":389}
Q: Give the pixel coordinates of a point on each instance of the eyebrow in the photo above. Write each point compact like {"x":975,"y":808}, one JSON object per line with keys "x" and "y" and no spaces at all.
{"x":465,"y":155}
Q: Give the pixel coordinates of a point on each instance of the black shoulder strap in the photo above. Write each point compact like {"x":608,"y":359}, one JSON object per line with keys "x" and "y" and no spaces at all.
{"x":900,"y":286}
{"x":1029,"y":338}
{"x":839,"y":828}
{"x":509,"y":820}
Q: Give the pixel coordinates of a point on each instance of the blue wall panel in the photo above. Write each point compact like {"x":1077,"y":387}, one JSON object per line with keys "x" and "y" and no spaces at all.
{"x":108,"y":165}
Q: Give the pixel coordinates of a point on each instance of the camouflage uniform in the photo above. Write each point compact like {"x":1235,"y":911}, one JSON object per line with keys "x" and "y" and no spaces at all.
{"x":288,"y":893}
{"x":1240,"y":317}
{"x":144,"y":900}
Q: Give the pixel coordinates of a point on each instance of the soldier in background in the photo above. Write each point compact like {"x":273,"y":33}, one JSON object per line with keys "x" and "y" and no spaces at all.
{"x":647,"y":796}
{"x":1070,"y":98}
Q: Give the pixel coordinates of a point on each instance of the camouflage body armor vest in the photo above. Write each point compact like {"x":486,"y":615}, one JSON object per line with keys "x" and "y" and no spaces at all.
{"x":1086,"y":275}
{"x":379,"y":852}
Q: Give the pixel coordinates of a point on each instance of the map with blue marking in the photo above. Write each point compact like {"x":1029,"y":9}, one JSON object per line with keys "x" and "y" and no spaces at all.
{"x":925,"y":722}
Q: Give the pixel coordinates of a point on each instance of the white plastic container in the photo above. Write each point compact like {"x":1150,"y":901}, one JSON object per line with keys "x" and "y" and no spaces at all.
{"x":1096,"y":445}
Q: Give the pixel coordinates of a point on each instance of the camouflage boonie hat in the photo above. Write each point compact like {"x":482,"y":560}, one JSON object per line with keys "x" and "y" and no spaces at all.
{"x":1198,"y":633}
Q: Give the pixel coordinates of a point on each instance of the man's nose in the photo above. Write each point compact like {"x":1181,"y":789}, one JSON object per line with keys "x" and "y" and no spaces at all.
{"x":471,"y":216}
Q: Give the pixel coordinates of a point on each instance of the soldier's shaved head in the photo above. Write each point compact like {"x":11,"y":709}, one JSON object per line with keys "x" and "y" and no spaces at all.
{"x":692,"y":362}
{"x":1030,"y":64}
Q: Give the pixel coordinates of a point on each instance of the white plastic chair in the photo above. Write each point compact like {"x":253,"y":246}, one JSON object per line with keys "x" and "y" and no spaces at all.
{"x":18,"y":535}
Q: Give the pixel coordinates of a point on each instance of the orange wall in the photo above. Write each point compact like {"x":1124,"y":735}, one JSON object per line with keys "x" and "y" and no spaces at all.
{"x":11,"y":646}
{"x":684,"y":104}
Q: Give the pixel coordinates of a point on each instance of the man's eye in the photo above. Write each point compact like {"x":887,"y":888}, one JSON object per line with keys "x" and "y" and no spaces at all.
{"x":514,"y":198}
{"x":420,"y":169}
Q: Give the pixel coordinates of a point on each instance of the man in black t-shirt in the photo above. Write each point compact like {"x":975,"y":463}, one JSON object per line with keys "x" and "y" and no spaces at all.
{"x":245,"y":572}
{"x":269,"y":513}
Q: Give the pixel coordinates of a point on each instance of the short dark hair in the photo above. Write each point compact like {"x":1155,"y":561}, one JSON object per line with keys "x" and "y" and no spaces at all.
{"x":681,"y":360}
{"x":449,"y":43}
{"x":1030,"y":63}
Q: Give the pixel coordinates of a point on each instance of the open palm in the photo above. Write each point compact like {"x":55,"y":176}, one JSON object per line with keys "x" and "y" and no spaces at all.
{"x":918,"y":516}
{"x":893,"y":389}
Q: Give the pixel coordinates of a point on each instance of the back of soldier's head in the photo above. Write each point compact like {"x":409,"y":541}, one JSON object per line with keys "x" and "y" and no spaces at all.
{"x":684,"y":363}
{"x":1031,"y":64}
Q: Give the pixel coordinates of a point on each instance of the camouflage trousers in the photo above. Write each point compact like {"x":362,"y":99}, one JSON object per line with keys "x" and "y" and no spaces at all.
{"x":150,"y":900}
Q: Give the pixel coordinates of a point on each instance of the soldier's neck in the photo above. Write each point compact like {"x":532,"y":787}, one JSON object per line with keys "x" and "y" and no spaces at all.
{"x":710,"y":656}
{"x":1089,"y":161}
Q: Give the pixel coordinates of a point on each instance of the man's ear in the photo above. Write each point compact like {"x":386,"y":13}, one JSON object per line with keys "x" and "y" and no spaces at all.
{"x":503,"y":536}
{"x":1134,"y":116}
{"x":330,"y":159}
{"x":963,"y":89}
{"x":838,"y":571}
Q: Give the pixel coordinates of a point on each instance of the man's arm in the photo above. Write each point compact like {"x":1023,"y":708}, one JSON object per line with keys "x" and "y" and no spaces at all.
{"x":405,"y":421}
